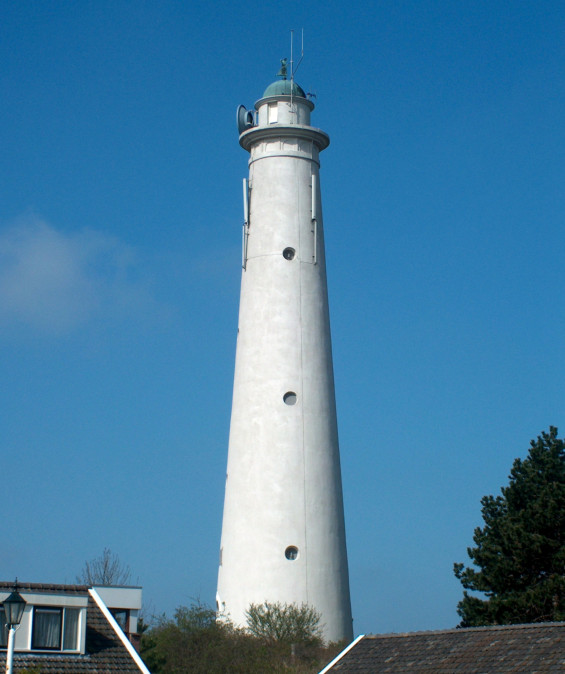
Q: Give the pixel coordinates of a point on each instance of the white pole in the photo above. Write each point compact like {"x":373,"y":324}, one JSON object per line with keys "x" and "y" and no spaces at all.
{"x":10,"y":652}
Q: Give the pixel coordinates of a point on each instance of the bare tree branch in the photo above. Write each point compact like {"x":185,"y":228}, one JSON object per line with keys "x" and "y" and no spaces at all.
{"x":105,"y":570}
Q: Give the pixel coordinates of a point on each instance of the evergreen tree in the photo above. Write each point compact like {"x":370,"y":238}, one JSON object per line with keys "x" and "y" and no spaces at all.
{"x":520,"y":551}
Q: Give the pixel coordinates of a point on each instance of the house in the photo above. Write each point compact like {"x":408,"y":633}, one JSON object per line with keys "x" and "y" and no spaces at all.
{"x":75,"y":629}
{"x":538,"y":648}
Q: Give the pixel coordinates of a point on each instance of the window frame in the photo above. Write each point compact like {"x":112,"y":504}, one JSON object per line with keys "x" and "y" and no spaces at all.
{"x":62,"y":611}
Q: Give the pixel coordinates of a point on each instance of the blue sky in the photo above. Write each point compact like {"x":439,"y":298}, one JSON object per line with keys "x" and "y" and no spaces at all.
{"x":120,"y":230}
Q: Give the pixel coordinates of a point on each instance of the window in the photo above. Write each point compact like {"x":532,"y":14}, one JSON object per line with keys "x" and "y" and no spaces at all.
{"x":55,"y":629}
{"x":121,"y":616}
{"x":273,"y":113}
{"x":70,"y":633}
{"x":291,"y":553}
{"x":289,"y":398}
{"x":3,"y":629}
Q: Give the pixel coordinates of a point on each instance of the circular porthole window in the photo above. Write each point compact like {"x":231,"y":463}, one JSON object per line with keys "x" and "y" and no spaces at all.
{"x":289,"y":253}
{"x":291,"y":553}
{"x":289,"y":398}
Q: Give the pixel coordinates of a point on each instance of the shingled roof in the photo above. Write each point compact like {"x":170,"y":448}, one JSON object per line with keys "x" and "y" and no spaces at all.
{"x":104,"y":653}
{"x":536,"y":649}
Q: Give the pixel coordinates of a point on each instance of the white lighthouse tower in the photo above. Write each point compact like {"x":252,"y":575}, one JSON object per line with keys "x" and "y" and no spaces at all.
{"x":283,"y":533}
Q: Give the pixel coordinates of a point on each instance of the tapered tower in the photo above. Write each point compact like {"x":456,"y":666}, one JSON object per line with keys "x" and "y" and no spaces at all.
{"x":283,"y":533}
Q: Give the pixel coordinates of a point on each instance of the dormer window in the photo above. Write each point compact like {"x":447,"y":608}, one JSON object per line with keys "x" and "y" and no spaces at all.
{"x":3,"y":629}
{"x":121,"y":616}
{"x":69,"y":628}
{"x":55,"y":629}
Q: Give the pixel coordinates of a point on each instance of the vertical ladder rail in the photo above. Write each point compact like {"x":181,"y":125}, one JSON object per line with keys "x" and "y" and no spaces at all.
{"x":315,"y":216}
{"x":245,"y":233}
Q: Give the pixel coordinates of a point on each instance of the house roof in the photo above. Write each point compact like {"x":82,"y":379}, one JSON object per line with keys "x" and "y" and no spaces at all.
{"x":536,"y":649}
{"x":105,"y":652}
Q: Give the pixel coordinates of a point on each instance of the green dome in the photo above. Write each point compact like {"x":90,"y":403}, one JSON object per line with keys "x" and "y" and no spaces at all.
{"x":283,"y":88}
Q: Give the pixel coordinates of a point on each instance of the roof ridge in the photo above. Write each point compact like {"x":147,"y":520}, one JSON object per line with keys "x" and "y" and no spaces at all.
{"x":6,"y":585}
{"x":462,"y":630}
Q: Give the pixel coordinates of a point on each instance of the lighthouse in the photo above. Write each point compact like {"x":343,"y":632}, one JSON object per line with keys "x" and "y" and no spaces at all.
{"x":283,"y":532}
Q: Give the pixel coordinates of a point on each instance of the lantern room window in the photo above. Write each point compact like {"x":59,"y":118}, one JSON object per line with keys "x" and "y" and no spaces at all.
{"x":273,"y":113}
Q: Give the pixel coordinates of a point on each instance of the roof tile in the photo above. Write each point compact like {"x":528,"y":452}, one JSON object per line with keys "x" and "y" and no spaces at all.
{"x":536,"y":649}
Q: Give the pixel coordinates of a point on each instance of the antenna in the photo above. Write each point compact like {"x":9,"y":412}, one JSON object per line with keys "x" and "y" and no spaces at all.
{"x":301,"y":54}
{"x":292,"y":68}
{"x":291,"y":58}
